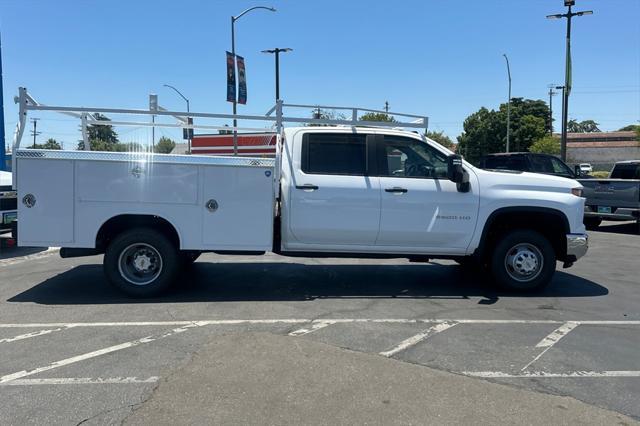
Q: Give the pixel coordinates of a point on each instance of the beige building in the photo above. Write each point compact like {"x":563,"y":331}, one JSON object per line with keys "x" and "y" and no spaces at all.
{"x":602,"y":149}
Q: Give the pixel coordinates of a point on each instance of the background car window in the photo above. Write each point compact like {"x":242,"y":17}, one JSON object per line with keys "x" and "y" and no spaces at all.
{"x":560,"y":168}
{"x":541,"y":164}
{"x":334,"y":154}
{"x":626,"y":171}
{"x":506,"y":162}
{"x":404,"y":157}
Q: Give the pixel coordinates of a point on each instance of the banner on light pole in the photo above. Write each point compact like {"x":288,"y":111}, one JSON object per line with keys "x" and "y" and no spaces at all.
{"x":231,"y":78}
{"x":242,"y":81}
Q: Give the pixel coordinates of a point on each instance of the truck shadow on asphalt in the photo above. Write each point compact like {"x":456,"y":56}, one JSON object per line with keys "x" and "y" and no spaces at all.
{"x":629,"y":228}
{"x":232,"y":282}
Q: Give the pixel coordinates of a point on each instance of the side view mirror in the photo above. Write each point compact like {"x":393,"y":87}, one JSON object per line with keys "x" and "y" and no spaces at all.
{"x":577,"y":171}
{"x":456,"y":173}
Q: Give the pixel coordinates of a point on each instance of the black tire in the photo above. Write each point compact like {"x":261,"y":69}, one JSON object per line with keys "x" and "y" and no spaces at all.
{"x":592,"y":223}
{"x":154,"y":253}
{"x":523,"y":260}
{"x":187,"y":258}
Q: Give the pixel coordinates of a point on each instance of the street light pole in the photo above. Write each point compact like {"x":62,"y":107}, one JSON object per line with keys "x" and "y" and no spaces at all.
{"x":567,"y":74}
{"x":551,"y":94}
{"x":277,"y":51}
{"x":189,"y":131}
{"x":233,"y":54}
{"x":508,"y":102}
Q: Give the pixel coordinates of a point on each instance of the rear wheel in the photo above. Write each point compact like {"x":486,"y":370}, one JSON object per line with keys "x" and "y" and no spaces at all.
{"x":592,"y":222}
{"x":141,"y":262}
{"x":523,"y":260}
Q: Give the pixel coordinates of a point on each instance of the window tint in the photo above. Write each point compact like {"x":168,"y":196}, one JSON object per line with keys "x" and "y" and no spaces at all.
{"x":626,"y":171}
{"x":506,"y":162}
{"x":404,"y":157}
{"x":541,"y":164}
{"x":334,"y":154}
{"x":560,"y":168}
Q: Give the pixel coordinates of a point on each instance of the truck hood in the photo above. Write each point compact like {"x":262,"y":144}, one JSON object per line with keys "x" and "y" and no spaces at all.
{"x":527,"y":181}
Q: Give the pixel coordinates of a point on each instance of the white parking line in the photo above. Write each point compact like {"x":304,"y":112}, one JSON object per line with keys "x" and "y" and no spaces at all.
{"x":314,"y":327}
{"x":16,"y":260}
{"x":80,"y":381}
{"x":303,"y":320}
{"x":557,"y":334}
{"x":30,"y":335}
{"x":543,"y":374}
{"x":110,"y":349}
{"x":413,"y":340}
{"x":553,"y":338}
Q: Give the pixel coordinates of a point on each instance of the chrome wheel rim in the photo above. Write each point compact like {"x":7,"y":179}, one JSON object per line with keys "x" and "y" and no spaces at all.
{"x":140,"y":264}
{"x":524,"y":262}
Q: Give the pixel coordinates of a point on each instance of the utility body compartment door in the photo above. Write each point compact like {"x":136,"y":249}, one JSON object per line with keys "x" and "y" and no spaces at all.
{"x":333,"y":201}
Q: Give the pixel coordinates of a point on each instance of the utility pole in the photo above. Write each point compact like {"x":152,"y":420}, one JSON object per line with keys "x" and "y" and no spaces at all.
{"x":386,"y":106}
{"x":277,"y":51}
{"x":508,"y":102}
{"x":551,"y":94}
{"x":567,"y":74}
{"x":34,"y":133}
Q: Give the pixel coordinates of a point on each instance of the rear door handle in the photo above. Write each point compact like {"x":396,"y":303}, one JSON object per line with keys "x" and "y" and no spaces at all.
{"x":396,"y":190}
{"x":307,"y":187}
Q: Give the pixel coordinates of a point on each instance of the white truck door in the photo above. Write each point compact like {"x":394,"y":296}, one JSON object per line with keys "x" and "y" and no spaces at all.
{"x":421,"y":208}
{"x":332,"y":200}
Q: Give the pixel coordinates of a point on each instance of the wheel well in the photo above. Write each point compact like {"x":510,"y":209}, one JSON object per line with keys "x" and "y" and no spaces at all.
{"x":551,"y":223}
{"x":118,"y":224}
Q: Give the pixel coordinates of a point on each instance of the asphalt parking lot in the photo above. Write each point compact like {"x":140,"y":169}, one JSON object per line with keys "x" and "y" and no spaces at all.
{"x":75,"y":350}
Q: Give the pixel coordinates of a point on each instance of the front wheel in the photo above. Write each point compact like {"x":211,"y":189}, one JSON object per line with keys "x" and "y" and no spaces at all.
{"x":523,"y":260}
{"x":141,"y":262}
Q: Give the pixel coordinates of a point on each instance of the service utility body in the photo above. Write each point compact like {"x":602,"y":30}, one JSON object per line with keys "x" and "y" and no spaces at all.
{"x":336,"y":188}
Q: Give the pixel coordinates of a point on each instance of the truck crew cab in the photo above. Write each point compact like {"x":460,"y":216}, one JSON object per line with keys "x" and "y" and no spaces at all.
{"x":345,"y":189}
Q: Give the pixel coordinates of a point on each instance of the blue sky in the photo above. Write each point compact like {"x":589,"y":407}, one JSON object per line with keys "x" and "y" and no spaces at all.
{"x":434,"y":57}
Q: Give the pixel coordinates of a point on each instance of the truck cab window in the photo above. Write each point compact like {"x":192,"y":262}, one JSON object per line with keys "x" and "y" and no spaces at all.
{"x":334,"y":154}
{"x":405,"y":157}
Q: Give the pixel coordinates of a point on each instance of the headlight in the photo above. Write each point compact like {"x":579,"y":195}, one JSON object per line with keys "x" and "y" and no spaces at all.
{"x":577,"y":192}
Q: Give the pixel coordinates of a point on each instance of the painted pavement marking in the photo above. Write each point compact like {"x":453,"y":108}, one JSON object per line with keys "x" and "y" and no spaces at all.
{"x":94,"y":354}
{"x":553,"y":338}
{"x":544,"y":374}
{"x":414,"y":340}
{"x":81,"y":381}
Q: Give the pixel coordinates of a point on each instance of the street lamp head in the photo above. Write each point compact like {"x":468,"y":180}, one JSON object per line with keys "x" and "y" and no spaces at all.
{"x":585,"y":12}
{"x":273,"y":9}
{"x":277,"y":49}
{"x":557,"y":16}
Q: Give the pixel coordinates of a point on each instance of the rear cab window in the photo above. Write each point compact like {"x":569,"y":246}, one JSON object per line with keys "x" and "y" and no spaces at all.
{"x":626,"y":171}
{"x":334,"y":154}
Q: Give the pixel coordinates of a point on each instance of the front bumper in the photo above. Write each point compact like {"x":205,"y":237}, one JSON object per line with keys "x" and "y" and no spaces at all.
{"x":577,"y":246}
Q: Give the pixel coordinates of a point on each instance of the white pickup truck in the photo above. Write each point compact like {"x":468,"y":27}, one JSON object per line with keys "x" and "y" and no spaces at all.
{"x":340,"y":191}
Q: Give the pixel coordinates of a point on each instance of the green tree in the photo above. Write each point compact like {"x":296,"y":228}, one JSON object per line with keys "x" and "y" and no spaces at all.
{"x":49,"y":144}
{"x":100,"y":135}
{"x":586,"y":126}
{"x":441,"y":138}
{"x":485,"y":131}
{"x":321,"y":114}
{"x":377,"y":116}
{"x":630,"y":128}
{"x":164,"y":145}
{"x":546,"y":145}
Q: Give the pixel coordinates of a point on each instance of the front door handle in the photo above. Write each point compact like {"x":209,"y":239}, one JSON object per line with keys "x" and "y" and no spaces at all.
{"x":307,"y":187}
{"x":396,"y":190}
